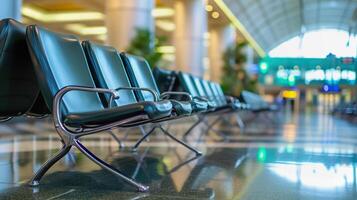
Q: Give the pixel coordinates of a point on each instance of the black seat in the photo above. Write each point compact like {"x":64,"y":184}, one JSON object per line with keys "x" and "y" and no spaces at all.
{"x":165,"y":79}
{"x":140,"y":75}
{"x":212,"y":105}
{"x":109,"y":72}
{"x":68,"y":88}
{"x":256,"y":102}
{"x":186,"y":84}
{"x":18,"y":87}
{"x":233,"y":102}
{"x":211,"y":95}
{"x":58,"y":72}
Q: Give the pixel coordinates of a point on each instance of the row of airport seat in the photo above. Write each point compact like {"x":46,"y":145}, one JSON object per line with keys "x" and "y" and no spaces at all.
{"x":347,"y":110}
{"x":170,"y":80}
{"x":90,"y":88}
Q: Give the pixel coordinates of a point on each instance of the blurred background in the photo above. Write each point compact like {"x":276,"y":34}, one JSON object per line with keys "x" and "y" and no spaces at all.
{"x":300,"y":54}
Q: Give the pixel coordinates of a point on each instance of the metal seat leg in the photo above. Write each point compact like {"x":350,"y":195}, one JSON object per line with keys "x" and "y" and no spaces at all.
{"x":48,"y":164}
{"x":180,"y":141}
{"x":104,"y":165}
{"x":191,"y":128}
{"x":240,"y":122}
{"x":143,"y":138}
{"x":120,"y":143}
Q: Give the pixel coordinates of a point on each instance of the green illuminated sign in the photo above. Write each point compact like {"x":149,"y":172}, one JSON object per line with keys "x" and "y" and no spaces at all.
{"x":307,"y":71}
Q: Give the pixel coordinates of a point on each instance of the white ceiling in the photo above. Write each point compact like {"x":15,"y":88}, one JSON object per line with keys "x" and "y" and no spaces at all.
{"x":272,"y":22}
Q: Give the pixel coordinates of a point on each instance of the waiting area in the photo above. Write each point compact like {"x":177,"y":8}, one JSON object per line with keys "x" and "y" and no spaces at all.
{"x":81,"y":118}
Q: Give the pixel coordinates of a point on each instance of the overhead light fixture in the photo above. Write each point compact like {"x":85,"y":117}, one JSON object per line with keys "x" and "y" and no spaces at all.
{"x":166,"y":49}
{"x":240,"y":27}
{"x":43,"y":16}
{"x":165,"y":25}
{"x":162,"y":12}
{"x":86,"y":30}
{"x":215,"y":15}
{"x":209,"y":8}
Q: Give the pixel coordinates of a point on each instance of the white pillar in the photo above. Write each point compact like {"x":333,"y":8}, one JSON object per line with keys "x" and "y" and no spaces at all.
{"x":221,"y":37}
{"x":10,"y":9}
{"x":249,"y":51}
{"x":123,"y":17}
{"x":191,"y":24}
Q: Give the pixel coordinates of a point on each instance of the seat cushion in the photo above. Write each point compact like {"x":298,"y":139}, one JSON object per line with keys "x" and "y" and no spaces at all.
{"x":153,"y":110}
{"x":199,"y":106}
{"x":181,"y":107}
{"x":211,"y":105}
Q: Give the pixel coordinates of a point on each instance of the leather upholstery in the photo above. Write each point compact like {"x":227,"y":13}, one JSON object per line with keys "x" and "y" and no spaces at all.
{"x":210,"y":94}
{"x":187,"y":85}
{"x":197,"y":83}
{"x":154,"y":110}
{"x":18,"y":84}
{"x":165,"y":79}
{"x":141,"y":75}
{"x":59,"y":62}
{"x":235,"y":104}
{"x":218,"y":93}
{"x":108,"y":71}
{"x":255,"y":101}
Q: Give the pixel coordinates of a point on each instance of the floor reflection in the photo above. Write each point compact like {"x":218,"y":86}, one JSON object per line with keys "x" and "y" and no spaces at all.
{"x":299,"y":159}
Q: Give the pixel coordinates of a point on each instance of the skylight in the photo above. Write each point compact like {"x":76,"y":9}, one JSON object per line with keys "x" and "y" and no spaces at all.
{"x":318,"y":44}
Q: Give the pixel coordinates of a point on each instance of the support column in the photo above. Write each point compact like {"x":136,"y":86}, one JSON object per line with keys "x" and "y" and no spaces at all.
{"x":221,"y":37}
{"x":191,"y":24}
{"x":11,"y":9}
{"x":123,"y":17}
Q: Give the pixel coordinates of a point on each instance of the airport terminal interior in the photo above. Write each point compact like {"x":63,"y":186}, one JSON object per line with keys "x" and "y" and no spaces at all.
{"x":178,"y":99}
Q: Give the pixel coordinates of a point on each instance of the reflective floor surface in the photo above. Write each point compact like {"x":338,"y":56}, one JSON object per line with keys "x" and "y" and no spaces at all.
{"x":281,"y":156}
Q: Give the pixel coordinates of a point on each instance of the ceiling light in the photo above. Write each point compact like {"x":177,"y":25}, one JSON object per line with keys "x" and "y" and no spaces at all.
{"x":209,"y":8}
{"x":215,"y":15}
{"x":166,"y":49}
{"x":165,"y":25}
{"x":162,"y":12}
{"x":43,"y":16}
{"x":86,"y":30}
{"x":240,"y":27}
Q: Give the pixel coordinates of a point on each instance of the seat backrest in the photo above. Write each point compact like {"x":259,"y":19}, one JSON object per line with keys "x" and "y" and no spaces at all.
{"x":108,"y":71}
{"x":254,"y":100}
{"x":213,"y":93}
{"x":165,"y":79}
{"x":219,"y":92}
{"x":198,"y":85}
{"x":187,"y":84}
{"x":207,"y":89}
{"x":18,"y":84}
{"x":140,"y":75}
{"x":60,"y":61}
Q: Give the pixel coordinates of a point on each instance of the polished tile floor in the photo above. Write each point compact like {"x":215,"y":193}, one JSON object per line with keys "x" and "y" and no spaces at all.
{"x":280,"y":156}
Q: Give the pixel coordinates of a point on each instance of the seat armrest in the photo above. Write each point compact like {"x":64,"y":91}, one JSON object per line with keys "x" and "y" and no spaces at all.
{"x":201,"y":98}
{"x":153,"y":93}
{"x":168,"y":94}
{"x":230,"y":99}
{"x":60,"y":94}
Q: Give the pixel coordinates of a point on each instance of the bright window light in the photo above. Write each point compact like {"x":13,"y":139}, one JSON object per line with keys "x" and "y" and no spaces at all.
{"x":318,"y":44}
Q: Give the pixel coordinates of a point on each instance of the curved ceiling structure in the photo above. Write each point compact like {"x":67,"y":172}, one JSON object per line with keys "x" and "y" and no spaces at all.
{"x":273,"y":22}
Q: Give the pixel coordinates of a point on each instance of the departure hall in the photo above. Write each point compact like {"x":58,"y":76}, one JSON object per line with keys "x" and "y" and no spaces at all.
{"x":178,"y":99}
